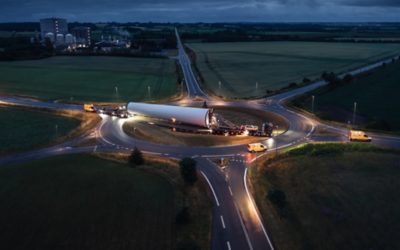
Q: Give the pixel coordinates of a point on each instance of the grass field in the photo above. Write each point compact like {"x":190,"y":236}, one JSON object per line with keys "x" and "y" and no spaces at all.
{"x":338,"y":200}
{"x":273,"y":65}
{"x":23,"y":129}
{"x":90,"y":78}
{"x":376,"y":95}
{"x":84,"y":202}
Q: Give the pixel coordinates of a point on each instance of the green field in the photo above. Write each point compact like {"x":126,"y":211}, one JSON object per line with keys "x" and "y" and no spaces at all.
{"x":90,"y":78}
{"x":334,"y":200}
{"x":376,"y":94}
{"x":23,"y":129}
{"x":274,"y":65}
{"x":84,"y":202}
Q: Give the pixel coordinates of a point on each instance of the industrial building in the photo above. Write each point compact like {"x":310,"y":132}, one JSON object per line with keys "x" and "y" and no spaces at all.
{"x":82,"y":35}
{"x":53,"y":28}
{"x":200,"y":117}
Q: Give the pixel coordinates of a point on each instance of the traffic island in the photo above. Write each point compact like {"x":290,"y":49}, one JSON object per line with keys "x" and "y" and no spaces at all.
{"x":163,"y":132}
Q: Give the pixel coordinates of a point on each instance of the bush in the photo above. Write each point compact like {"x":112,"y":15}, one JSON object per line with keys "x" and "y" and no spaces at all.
{"x":183,"y":216}
{"x":136,"y":158}
{"x":188,"y":170}
{"x":306,"y":80}
{"x":348,"y":78}
{"x":278,"y":198}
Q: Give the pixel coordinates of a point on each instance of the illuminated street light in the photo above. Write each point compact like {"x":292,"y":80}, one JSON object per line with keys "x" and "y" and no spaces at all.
{"x":354,"y":113}
{"x":312,"y":103}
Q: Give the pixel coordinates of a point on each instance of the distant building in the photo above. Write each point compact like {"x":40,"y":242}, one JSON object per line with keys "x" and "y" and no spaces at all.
{"x":69,"y":39}
{"x":82,"y":35}
{"x":54,"y":27}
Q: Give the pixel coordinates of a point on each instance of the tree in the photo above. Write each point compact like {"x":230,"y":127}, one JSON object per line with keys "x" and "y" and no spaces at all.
{"x":136,"y":158}
{"x":306,"y":80}
{"x":278,"y":197}
{"x":348,"y":78}
{"x":188,"y":170}
{"x":183,"y":216}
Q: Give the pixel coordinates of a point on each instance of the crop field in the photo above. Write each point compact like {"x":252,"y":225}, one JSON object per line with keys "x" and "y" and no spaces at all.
{"x":249,"y":69}
{"x":23,"y":129}
{"x":84,"y":202}
{"x":103,"y":79}
{"x":346,"y":200}
{"x":376,"y":94}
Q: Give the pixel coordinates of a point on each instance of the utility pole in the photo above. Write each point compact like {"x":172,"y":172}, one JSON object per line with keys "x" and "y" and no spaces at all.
{"x":312,"y":103}
{"x":276,"y":144}
{"x":354,"y":113}
{"x":134,"y":136}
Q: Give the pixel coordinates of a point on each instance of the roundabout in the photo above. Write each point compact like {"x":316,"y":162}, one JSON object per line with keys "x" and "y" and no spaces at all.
{"x":237,"y":223}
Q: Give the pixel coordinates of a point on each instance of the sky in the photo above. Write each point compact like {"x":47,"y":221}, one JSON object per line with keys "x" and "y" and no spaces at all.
{"x":202,"y":10}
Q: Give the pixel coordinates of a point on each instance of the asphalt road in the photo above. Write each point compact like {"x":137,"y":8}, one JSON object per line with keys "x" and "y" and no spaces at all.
{"x":236,"y":221}
{"x":193,"y":88}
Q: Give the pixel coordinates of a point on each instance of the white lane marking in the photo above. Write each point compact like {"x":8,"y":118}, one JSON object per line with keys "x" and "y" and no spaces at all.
{"x":151,"y":153}
{"x":243,"y":227}
{"x":211,"y":187}
{"x":257,"y":212}
{"x":208,"y":156}
{"x":230,"y":190}
{"x":229,"y":245}
{"x":101,"y":135}
{"x":222,"y":222}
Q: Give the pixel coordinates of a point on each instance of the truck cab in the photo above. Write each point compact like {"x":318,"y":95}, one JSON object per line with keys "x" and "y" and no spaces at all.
{"x":256,"y":147}
{"x":357,"y":135}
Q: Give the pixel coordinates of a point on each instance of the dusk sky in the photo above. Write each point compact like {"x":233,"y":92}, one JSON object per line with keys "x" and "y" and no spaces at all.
{"x":203,"y":10}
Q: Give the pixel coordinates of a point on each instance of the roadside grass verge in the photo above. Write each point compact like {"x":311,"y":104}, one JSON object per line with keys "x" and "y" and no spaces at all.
{"x":375,"y":93}
{"x":86,"y":202}
{"x":336,"y":196}
{"x":83,"y":202}
{"x":195,"y":230}
{"x":23,"y":129}
{"x":29,"y":128}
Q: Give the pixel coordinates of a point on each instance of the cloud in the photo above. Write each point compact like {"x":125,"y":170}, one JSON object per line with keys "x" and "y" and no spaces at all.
{"x":372,"y":3}
{"x":202,"y":10}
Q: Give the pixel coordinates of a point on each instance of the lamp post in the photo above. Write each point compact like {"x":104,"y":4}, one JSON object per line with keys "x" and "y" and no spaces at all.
{"x":354,"y":113}
{"x":312,"y":103}
{"x":276,"y":143}
{"x":134,"y":135}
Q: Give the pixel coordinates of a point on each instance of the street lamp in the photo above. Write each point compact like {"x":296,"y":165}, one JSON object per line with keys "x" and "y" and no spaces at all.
{"x":354,"y":113}
{"x":312,"y":103}
{"x":134,"y":135}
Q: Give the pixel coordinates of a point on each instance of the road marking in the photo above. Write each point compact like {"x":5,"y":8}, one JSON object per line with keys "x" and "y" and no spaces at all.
{"x":243,"y":227}
{"x":222,"y":222}
{"x":230,"y":190}
{"x":210,"y":156}
{"x":229,"y":245}
{"x":211,"y":187}
{"x":257,"y":212}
